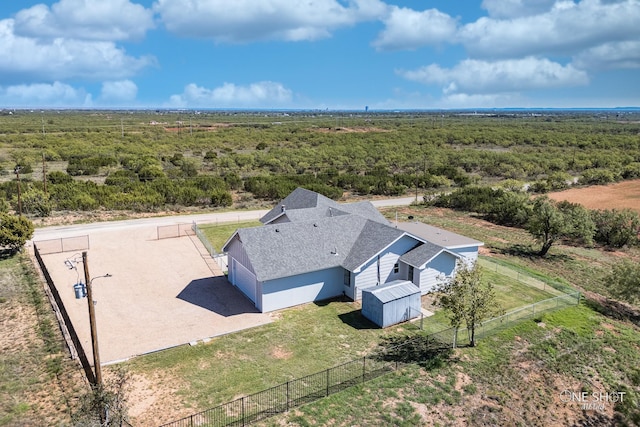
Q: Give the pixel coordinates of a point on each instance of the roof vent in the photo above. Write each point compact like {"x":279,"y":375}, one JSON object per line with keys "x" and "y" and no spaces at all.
{"x":335,"y":251}
{"x":277,"y":230}
{"x":315,"y":225}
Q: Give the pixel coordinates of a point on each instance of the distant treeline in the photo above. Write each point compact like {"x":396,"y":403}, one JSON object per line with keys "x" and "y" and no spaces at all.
{"x":147,"y":161}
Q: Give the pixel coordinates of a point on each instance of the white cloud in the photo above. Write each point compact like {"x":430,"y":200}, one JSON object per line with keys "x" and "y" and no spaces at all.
{"x":410,"y":29}
{"x":481,"y":77}
{"x":516,"y":8}
{"x":610,"y":56}
{"x":44,"y":95}
{"x":85,"y":20}
{"x":23,"y":58}
{"x":118,"y":91}
{"x":265,"y":94}
{"x":567,"y":28}
{"x":251,"y":20}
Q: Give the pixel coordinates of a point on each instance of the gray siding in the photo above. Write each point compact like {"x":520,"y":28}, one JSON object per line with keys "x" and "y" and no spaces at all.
{"x":300,"y":289}
{"x":236,"y":251}
{"x":469,"y":253}
{"x":439,"y":268}
{"x":368,"y":276}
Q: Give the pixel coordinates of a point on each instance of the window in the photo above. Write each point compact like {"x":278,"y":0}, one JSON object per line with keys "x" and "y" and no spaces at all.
{"x":347,"y":278}
{"x":410,"y":273}
{"x":396,"y":268}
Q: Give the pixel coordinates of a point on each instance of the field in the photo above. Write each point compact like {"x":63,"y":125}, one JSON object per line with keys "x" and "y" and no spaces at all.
{"x":566,"y":351}
{"x":105,"y":165}
{"x":622,"y":195}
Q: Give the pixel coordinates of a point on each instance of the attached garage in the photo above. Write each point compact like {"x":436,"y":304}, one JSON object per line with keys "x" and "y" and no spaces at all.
{"x":244,"y":279}
{"x":391,"y":303}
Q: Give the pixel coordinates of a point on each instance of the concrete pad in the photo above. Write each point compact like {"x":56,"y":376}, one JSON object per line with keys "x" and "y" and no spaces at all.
{"x":162,"y":293}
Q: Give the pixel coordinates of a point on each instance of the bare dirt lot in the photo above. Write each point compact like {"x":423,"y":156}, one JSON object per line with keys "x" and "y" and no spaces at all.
{"x":162,"y":293}
{"x":615,"y":196}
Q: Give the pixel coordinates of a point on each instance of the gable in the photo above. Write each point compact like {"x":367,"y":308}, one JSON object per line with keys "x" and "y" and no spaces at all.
{"x":425,"y":253}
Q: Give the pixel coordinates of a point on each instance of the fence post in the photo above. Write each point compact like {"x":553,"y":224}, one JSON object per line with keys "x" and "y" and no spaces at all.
{"x":327,"y":382}
{"x":364,"y":367}
{"x":243,"y":417}
{"x":288,"y":395}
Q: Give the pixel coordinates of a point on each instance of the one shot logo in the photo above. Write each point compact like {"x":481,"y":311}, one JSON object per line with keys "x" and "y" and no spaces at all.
{"x":592,"y":401}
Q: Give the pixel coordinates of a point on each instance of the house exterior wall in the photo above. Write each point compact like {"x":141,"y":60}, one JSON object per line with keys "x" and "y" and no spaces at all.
{"x":236,"y":251}
{"x":349,"y":289}
{"x":469,"y":253}
{"x":302,"y":288}
{"x":442,"y":266}
{"x":386,"y":260}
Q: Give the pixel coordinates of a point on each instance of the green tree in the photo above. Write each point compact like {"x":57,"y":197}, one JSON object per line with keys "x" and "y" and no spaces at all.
{"x":466,"y":297}
{"x":624,"y":281}
{"x":14,"y":231}
{"x":616,"y":228}
{"x":36,"y":202}
{"x":547,"y":223}
{"x":581,"y":225}
{"x":510,"y":208}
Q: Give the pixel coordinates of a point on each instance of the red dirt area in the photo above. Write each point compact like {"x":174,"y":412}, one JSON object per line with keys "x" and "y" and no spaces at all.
{"x":614,"y":196}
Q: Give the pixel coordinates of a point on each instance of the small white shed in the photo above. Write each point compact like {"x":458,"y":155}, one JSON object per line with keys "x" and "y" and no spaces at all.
{"x":391,"y":303}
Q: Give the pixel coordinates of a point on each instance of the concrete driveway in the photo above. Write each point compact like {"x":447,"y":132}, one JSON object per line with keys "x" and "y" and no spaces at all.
{"x":162,"y":293}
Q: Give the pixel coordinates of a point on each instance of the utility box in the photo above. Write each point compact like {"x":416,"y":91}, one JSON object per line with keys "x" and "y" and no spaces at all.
{"x":80,"y":290}
{"x":391,"y":303}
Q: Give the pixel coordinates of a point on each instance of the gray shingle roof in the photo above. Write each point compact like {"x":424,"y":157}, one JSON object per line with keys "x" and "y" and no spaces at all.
{"x":306,"y":205}
{"x":315,"y":233}
{"x":423,"y":254}
{"x":372,"y":239}
{"x":282,"y":250}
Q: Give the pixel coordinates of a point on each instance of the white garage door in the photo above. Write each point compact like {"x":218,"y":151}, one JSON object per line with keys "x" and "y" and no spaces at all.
{"x":244,"y":280}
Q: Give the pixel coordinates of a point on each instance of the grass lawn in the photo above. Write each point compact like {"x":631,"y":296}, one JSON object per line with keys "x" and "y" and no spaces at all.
{"x":515,"y":377}
{"x":218,"y":234}
{"x":301,"y":341}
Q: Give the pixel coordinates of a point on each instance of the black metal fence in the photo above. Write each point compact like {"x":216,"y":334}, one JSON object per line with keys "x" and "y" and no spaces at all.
{"x":82,"y":356}
{"x":283,"y":397}
{"x":421,"y":348}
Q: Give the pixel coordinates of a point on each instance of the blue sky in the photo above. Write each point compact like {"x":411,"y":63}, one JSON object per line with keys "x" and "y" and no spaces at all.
{"x":319,"y":54}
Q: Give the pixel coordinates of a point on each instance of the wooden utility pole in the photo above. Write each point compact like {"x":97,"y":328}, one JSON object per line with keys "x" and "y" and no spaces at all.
{"x":44,"y":174}
{"x":92,"y":322}
{"x":17,"y":171}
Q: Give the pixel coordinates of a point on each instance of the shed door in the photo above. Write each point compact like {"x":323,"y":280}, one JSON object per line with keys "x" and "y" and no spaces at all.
{"x":245,"y":280}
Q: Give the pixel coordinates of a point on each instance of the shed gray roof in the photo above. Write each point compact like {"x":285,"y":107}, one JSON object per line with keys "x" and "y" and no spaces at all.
{"x":392,"y":291}
{"x":438,"y":236}
{"x":307,"y":205}
{"x":282,"y":250}
{"x":423,"y":254}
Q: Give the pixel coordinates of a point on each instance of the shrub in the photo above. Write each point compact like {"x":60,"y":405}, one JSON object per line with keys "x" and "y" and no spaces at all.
{"x":14,"y":231}
{"x":616,"y":228}
{"x":597,"y":177}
